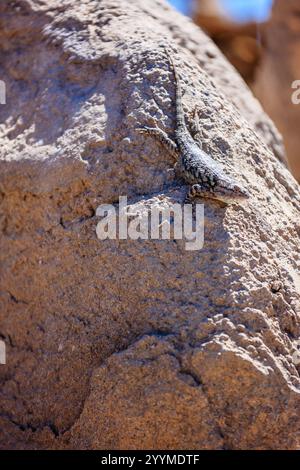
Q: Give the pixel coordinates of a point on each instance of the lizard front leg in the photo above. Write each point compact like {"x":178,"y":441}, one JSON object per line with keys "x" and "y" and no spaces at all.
{"x":197,"y":190}
{"x":163,"y":139}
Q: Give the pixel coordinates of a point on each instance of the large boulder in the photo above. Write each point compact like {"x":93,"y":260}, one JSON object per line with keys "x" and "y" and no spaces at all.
{"x":138,"y":344}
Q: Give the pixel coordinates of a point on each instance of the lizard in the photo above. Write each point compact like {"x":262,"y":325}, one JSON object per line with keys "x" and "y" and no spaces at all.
{"x":199,"y":170}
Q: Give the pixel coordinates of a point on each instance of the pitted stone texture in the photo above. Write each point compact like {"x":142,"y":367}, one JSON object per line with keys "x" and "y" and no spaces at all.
{"x":137,"y":344}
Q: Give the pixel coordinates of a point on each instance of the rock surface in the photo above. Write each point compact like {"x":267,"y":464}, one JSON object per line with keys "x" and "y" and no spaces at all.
{"x":138,"y":344}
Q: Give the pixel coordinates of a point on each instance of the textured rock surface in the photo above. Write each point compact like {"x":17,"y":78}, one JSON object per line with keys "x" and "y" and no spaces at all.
{"x":138,"y":344}
{"x":279,"y":68}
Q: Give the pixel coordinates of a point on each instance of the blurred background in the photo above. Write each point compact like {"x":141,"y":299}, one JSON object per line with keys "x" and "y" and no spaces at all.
{"x":261,"y":38}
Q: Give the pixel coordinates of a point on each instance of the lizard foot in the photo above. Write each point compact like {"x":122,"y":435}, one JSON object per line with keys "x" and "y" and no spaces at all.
{"x":196,"y":191}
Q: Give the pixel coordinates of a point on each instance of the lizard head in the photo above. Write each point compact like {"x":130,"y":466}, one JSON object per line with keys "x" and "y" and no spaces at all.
{"x":229,"y":191}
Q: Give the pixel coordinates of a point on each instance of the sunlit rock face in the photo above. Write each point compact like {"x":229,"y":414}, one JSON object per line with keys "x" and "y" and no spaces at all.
{"x":138,"y":344}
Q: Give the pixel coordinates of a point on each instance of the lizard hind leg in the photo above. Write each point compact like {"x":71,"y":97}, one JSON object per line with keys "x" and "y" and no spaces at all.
{"x":163,"y":139}
{"x":193,"y":121}
{"x":194,"y":126}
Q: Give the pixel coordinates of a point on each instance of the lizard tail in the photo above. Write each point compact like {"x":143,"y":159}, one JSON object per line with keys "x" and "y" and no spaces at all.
{"x":180,"y":121}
